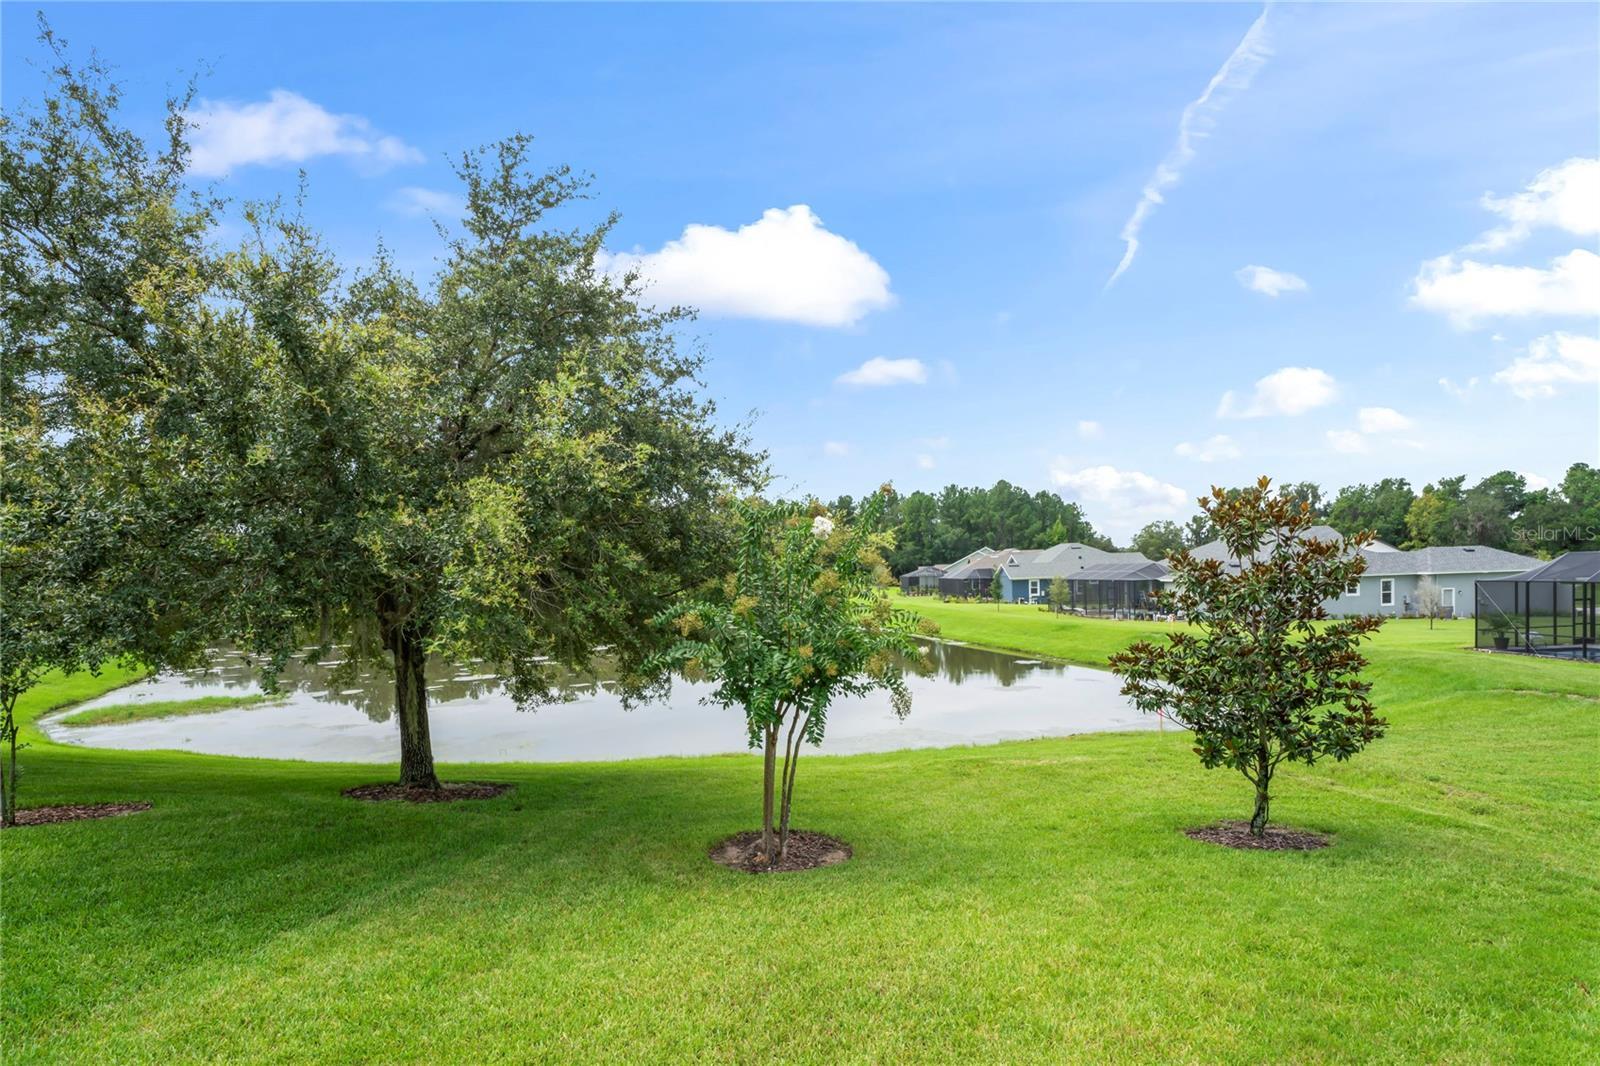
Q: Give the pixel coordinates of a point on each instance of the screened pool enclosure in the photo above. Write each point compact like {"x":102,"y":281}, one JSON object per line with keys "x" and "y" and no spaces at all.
{"x":1115,"y":590}
{"x":1549,"y":610}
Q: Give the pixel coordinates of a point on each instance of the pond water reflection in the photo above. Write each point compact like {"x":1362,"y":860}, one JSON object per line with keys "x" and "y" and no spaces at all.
{"x":973,"y":696}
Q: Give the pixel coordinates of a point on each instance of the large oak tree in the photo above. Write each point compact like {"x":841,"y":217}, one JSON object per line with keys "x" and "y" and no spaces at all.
{"x":511,"y":461}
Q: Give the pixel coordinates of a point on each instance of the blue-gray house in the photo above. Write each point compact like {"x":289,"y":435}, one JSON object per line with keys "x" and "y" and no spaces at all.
{"x":1394,"y":579}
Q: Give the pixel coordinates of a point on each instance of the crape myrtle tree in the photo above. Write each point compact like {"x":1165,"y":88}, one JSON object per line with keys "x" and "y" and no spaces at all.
{"x":1264,"y":677}
{"x":796,"y":623}
{"x":509,"y":462}
{"x":1429,"y":600}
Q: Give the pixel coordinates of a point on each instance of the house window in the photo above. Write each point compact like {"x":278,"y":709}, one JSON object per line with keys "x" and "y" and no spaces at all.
{"x":1033,"y":588}
{"x":1386,"y":592}
{"x":1353,"y":588}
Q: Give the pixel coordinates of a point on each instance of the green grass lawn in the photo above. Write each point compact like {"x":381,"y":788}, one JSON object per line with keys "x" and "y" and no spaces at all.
{"x":116,"y":713}
{"x":1024,"y":902}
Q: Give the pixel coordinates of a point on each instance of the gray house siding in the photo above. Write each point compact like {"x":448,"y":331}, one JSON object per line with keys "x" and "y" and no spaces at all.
{"x":1403,"y":600}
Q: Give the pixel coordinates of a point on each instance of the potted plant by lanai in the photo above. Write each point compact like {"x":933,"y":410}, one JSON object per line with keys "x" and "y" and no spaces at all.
{"x":1502,"y":629}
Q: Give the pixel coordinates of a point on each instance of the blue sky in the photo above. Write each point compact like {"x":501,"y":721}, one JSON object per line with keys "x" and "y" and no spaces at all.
{"x":902,"y":219}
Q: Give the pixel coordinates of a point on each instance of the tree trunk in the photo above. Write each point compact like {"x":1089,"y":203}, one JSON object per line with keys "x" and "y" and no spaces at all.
{"x":411,"y":706}
{"x":8,"y":778}
{"x":8,"y":790}
{"x":768,"y":781}
{"x":791,"y":765}
{"x":1258,"y":820}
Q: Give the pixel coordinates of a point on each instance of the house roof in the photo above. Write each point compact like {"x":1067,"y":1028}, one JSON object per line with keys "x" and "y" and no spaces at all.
{"x":924,"y":571}
{"x":1218,"y":550}
{"x":967,"y":558}
{"x":1573,"y":566}
{"x":981,"y":565}
{"x":1467,"y":559}
{"x":1123,"y":570}
{"x":1066,"y":560}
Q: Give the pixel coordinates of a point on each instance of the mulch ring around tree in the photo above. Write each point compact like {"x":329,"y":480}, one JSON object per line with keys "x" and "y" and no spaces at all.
{"x":1277,"y":838}
{"x":449,"y":792}
{"x":807,"y":851}
{"x":75,"y":812}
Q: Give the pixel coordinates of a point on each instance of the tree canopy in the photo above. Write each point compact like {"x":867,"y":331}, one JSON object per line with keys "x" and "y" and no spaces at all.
{"x":796,"y":623}
{"x":1264,"y":677}
{"x":511,"y":461}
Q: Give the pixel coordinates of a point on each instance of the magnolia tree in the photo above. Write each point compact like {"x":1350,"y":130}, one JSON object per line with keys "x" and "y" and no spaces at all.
{"x":1264,"y":677}
{"x":797,"y":623}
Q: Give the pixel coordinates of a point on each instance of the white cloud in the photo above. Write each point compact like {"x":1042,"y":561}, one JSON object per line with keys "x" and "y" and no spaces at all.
{"x":414,"y":200}
{"x":1347,"y":441}
{"x":1467,"y":290}
{"x":925,"y":461}
{"x":784,"y":266}
{"x":836,"y":449}
{"x":1535,"y":481}
{"x":1090,"y":430}
{"x":878,"y":372}
{"x":1382,"y":420}
{"x":1270,"y":282}
{"x":1553,"y":361}
{"x":1119,"y":501}
{"x":1372,"y":422}
{"x":1460,"y":392}
{"x":1293,"y":390}
{"x":1197,"y":121}
{"x":1566,"y":196}
{"x":285,"y":128}
{"x":1210,"y":450}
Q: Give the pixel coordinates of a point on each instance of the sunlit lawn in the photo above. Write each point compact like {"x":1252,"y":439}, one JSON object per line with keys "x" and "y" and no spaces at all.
{"x":1023,"y":902}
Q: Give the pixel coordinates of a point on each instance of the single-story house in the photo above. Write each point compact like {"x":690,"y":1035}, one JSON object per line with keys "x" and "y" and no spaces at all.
{"x":921,"y":581}
{"x":1025,"y":573}
{"x":1026,"y":577}
{"x":973,"y":574}
{"x":1390,"y":584}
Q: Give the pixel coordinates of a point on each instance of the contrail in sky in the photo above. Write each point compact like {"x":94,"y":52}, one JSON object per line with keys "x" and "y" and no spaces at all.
{"x":1232,"y":78}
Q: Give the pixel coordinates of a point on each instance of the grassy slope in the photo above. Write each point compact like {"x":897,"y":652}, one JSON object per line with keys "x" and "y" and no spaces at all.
{"x":117,"y":713}
{"x":1021,"y":902}
{"x":57,"y":691}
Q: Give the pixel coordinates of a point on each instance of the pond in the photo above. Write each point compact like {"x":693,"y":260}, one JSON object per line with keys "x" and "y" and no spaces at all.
{"x":973,"y":696}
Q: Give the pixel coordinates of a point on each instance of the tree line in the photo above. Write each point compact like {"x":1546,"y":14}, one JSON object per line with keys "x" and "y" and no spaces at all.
{"x":938,"y":527}
{"x":1498,"y":511}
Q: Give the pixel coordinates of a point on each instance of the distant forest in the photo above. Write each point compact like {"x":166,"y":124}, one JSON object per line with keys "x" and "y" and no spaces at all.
{"x":1499,"y":511}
